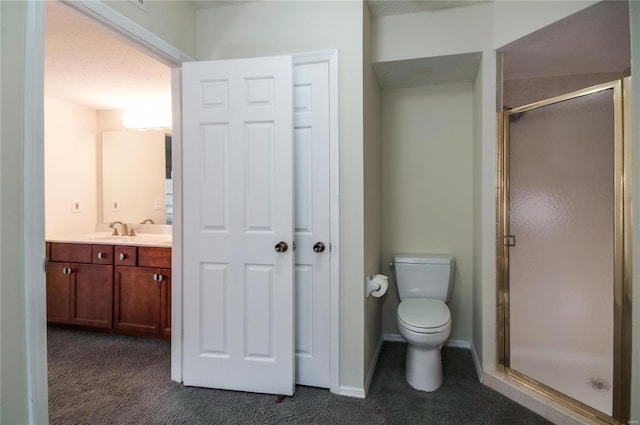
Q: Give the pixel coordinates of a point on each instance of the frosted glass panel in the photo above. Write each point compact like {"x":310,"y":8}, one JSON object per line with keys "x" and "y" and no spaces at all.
{"x":561,"y":271}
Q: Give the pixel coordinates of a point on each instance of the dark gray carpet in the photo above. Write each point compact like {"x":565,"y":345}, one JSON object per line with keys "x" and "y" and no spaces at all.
{"x":107,"y":379}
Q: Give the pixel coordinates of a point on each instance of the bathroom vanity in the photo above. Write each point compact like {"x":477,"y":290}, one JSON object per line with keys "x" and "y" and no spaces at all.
{"x":114,"y":284}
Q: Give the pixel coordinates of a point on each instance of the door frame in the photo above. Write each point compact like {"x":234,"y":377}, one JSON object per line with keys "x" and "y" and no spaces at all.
{"x":622,"y":254}
{"x":35,"y":283}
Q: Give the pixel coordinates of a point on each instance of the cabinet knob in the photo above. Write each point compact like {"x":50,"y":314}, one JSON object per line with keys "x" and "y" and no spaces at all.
{"x":160,"y":277}
{"x":66,"y":270}
{"x":99,"y":255}
{"x":122,"y":256}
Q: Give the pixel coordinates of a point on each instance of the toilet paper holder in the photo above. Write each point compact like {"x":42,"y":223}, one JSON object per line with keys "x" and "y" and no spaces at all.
{"x":376,"y":285}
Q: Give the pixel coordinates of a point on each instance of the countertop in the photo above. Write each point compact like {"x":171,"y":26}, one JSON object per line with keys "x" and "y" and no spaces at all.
{"x":99,"y":238}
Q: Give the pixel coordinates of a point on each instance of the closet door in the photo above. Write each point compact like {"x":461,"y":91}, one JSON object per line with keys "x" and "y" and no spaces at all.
{"x":238,"y":225}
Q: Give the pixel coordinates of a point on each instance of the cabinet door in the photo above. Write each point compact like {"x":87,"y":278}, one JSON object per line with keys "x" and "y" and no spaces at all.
{"x":138,"y":299}
{"x":58,"y":292}
{"x":166,"y":302}
{"x":92,"y":295}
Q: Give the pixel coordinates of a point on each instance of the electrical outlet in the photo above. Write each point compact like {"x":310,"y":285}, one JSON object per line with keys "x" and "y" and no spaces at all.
{"x":115,"y":205}
{"x":141,"y":4}
{"x":75,"y":205}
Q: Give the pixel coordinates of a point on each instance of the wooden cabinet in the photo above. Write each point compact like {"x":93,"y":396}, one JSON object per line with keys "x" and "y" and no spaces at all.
{"x":79,"y":292}
{"x":125,"y":289}
{"x":58,"y":293}
{"x":140,"y":299}
{"x":91,"y":295}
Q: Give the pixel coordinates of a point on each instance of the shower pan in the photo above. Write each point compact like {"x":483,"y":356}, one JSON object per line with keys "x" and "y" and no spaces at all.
{"x":564,"y":251}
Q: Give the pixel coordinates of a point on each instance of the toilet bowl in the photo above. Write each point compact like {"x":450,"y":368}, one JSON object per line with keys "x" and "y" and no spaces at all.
{"x":425,"y":324}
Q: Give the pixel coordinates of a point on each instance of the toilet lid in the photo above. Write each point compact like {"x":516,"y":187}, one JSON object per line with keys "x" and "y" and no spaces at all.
{"x":424,"y":314}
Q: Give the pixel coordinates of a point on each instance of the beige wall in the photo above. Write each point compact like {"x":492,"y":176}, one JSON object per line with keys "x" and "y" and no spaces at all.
{"x":283,"y":27}
{"x":434,"y":33}
{"x":13,"y":368}
{"x":372,"y":202}
{"x":427,"y":151}
{"x":476,"y":329}
{"x":70,"y":136}
{"x":171,"y":20}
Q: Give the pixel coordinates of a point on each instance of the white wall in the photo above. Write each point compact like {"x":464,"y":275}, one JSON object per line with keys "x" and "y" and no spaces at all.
{"x":70,"y":140}
{"x":171,"y":20}
{"x":283,"y":27}
{"x":430,"y":34}
{"x":372,"y":203}
{"x":13,"y":367}
{"x":427,"y":171}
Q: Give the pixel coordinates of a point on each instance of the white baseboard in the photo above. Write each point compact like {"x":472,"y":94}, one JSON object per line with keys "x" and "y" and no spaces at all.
{"x":351,"y":391}
{"x":393,"y":338}
{"x":372,"y":366}
{"x":476,"y":362}
{"x":455,"y":343}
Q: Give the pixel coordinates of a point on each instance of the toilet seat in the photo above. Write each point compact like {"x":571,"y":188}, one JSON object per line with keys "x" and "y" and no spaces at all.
{"x":424,"y":315}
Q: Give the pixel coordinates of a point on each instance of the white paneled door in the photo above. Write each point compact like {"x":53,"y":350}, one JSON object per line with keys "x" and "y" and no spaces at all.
{"x":238,"y":207}
{"x":312,"y":274}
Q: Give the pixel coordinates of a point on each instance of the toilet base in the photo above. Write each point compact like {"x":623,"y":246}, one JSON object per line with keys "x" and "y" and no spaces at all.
{"x":424,"y":368}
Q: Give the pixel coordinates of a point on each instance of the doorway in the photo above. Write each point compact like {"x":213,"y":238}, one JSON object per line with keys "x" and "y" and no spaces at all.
{"x":565,"y":257}
{"x":167,"y":54}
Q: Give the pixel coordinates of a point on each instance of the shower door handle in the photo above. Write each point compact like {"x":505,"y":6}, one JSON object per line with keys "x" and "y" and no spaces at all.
{"x":510,"y":240}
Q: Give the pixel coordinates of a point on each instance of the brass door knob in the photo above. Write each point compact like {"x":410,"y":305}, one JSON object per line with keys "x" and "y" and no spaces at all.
{"x":281,"y":246}
{"x":318,"y":247}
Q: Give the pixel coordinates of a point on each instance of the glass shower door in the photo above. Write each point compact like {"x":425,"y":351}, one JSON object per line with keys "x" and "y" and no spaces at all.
{"x":562,"y":256}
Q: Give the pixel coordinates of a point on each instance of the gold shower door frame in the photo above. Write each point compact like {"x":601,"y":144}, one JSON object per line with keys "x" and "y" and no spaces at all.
{"x":622,"y":255}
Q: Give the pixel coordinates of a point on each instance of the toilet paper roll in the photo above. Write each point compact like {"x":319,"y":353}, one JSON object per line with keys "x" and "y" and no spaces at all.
{"x":380,"y":284}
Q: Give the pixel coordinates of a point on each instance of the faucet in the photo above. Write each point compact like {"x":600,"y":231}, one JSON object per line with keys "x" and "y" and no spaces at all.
{"x":147,"y":220}
{"x":123,"y":228}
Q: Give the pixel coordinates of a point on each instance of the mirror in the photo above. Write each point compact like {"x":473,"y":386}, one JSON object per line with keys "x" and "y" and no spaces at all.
{"x":136,"y":177}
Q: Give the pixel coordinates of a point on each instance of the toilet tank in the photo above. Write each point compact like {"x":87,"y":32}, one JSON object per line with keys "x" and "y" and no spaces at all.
{"x":424,"y":275}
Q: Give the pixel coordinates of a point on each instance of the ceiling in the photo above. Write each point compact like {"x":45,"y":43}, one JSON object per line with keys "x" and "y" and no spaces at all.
{"x":427,"y":71}
{"x":88,"y":65}
{"x":594,"y":40}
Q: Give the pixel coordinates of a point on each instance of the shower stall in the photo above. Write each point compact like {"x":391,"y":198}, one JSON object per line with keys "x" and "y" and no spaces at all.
{"x":564,"y":249}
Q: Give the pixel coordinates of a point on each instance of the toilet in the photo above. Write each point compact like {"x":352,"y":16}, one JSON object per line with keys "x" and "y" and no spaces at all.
{"x":424,"y":321}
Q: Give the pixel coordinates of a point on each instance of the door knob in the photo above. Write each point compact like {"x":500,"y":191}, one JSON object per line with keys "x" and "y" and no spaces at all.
{"x":318,"y":247}
{"x":281,"y":246}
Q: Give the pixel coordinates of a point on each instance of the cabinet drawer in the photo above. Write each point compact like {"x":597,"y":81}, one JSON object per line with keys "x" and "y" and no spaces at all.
{"x":102,"y":254}
{"x":125,"y":255}
{"x":154,"y":257}
{"x":71,"y":252}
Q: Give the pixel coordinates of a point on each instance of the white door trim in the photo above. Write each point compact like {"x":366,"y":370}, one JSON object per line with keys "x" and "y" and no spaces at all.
{"x":33,"y":163}
{"x":331,"y":58}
